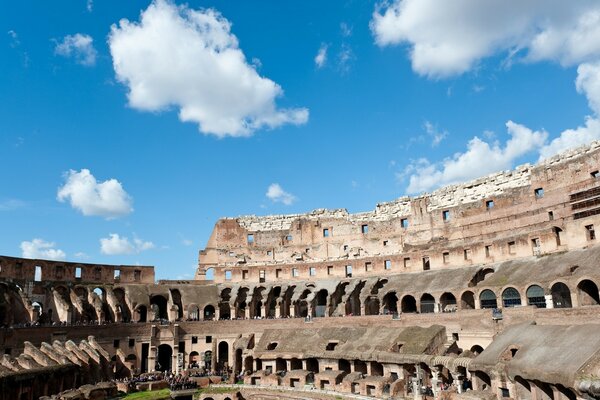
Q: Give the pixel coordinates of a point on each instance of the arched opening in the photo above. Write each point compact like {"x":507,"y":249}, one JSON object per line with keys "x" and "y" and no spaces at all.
{"x":561,"y":295}
{"x":557,"y":235}
{"x":312,"y":365}
{"x":248,"y":364}
{"x":209,"y":274}
{"x":467,"y":301}
{"x":224,"y":311}
{"x":160,"y":309}
{"x":165,"y":357}
{"x":372,"y":306}
{"x":280,"y":365}
{"x":522,"y":388}
{"x":320,"y":303}
{"x":241,"y":303}
{"x":480,"y":276}
{"x":301,"y":309}
{"x":376,"y":368}
{"x":427,"y":303}
{"x":390,"y":303}
{"x":223,"y":357}
{"x":194,"y":360}
{"x":344,"y":365}
{"x":238,"y":362}
{"x":209,"y":313}
{"x":483,"y":380}
{"x":131,"y":360}
{"x":535,"y":296}
{"x":408,"y":304}
{"x":258,"y":306}
{"x":193,"y":312}
{"x":587,"y":292}
{"x":142,"y":313}
{"x":176,"y":297}
{"x":122,"y":302}
{"x":566,"y":393}
{"x":476,"y":349}
{"x":545,"y":391}
{"x":511,"y":298}
{"x":360,"y":366}
{"x":353,"y":301}
{"x":448,"y":302}
{"x":38,"y":312}
{"x":487,"y":299}
{"x":295,"y":363}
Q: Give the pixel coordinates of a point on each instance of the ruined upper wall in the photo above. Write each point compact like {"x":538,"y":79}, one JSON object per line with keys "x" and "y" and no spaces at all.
{"x":30,"y":270}
{"x":492,"y":185}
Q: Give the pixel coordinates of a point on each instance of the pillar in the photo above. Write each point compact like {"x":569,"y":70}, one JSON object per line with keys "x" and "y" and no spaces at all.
{"x":152,"y":359}
{"x":549,"y":302}
{"x":247,"y":312}
{"x":437,"y":307}
{"x":278,"y":311}
{"x":477,"y":302}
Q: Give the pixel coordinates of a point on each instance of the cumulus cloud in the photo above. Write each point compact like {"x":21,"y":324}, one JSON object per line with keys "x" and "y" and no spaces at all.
{"x":106,"y":199}
{"x":39,"y":248}
{"x":480,"y":158}
{"x":276,"y":194}
{"x":80,"y":47}
{"x":179,"y":57}
{"x":449,"y":38}
{"x":117,"y":245}
{"x":321,"y":57}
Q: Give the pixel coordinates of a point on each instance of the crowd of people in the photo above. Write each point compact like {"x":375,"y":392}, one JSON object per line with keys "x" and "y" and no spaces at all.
{"x":180,"y":382}
{"x":133,"y":381}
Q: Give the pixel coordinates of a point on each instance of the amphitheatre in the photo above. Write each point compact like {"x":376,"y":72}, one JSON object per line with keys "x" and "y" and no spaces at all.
{"x":484,"y":289}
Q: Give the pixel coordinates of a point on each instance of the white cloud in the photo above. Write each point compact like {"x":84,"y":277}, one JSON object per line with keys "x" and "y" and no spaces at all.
{"x":89,"y":5}
{"x":81,"y":255}
{"x":14,"y":38}
{"x":189,"y":59}
{"x":79,"y":47}
{"x":276,"y":194}
{"x":449,"y":38}
{"x":321,"y":57}
{"x":588,"y":83}
{"x":345,"y":29}
{"x":572,"y":138}
{"x":117,"y":245}
{"x":434,"y":133}
{"x":39,"y":248}
{"x":479,"y":159}
{"x":107,"y":199}
{"x":345,"y":57}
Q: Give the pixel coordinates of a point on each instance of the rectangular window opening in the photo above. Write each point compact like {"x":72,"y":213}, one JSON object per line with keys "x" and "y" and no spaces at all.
{"x":227,"y":275}
{"x":117,"y":274}
{"x":209,"y":339}
{"x":406,"y":262}
{"x":364,"y":229}
{"x":591,"y":233}
{"x":326,"y":232}
{"x":131,"y":342}
{"x":116,"y":343}
{"x":385,"y":243}
{"x":261,"y":276}
{"x":539,"y":193}
{"x":368,"y":267}
{"x":330,"y":270}
{"x":489,"y":204}
{"x":278,"y":273}
{"x":194,"y":339}
{"x":348,"y":271}
{"x":550,"y":216}
{"x":595,"y":174}
{"x":446,"y":215}
{"x":404,"y":223}
{"x":294,"y":272}
{"x":288,"y":238}
{"x":446,"y":257}
{"x":467,"y":254}
{"x":331,"y":346}
{"x":312,"y":271}
{"x":426,"y":265}
{"x":38,"y":274}
{"x":387,"y":264}
{"x":511,"y":247}
{"x":488,"y":251}
{"x":244,"y":274}
{"x":137,"y":275}
{"x":250,"y":238}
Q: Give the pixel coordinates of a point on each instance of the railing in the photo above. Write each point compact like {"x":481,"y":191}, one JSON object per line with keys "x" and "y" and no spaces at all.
{"x":305,"y":390}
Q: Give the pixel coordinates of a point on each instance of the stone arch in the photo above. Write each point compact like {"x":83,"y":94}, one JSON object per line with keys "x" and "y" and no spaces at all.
{"x":408,"y":304}
{"x":353,"y":303}
{"x":448,"y":302}
{"x":535,"y":296}
{"x":193,"y":312}
{"x":312,"y":365}
{"x":476,"y":349}
{"x":487,"y":299}
{"x":480,"y":276}
{"x":587,"y":293}
{"x":467,"y":300}
{"x":272,"y":301}
{"x":248,"y":364}
{"x":320,"y":303}
{"x":158,"y":304}
{"x":427,"y":303}
{"x":561,"y":295}
{"x":194,"y":359}
{"x":511,"y":297}
{"x":209,"y":312}
{"x":122,"y":302}
{"x":390,"y":303}
{"x":522,"y":388}
{"x":372,"y":305}
{"x":238,"y":362}
{"x":344,"y":365}
{"x":241,"y":302}
{"x":142,"y":313}
{"x":280,"y":365}
{"x":176,"y":298}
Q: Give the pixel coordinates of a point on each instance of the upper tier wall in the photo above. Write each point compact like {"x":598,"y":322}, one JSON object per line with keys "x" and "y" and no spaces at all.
{"x":494,"y":218}
{"x":31,"y":270}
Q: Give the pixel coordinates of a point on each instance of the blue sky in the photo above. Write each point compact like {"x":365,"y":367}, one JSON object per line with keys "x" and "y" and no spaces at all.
{"x":124,"y":142}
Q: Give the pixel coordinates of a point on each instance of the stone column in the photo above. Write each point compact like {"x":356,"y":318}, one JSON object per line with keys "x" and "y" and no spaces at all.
{"x":549,"y":301}
{"x":217,"y":313}
{"x":477,"y":302}
{"x":152,"y":359}
{"x":278,"y":310}
{"x":437,"y":307}
{"x":247,"y":312}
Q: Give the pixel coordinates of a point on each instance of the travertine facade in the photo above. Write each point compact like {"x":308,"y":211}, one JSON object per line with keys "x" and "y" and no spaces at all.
{"x":494,"y":282}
